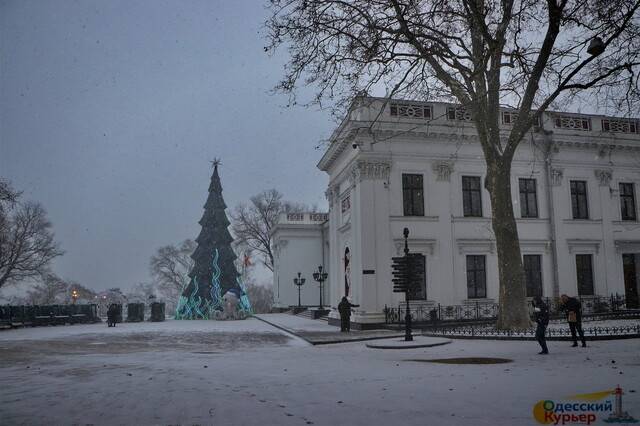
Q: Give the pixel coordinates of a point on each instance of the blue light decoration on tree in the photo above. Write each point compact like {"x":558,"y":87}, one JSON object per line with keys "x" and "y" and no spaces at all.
{"x":214,"y":272}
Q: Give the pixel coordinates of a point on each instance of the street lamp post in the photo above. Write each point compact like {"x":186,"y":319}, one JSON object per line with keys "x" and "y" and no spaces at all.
{"x":321,"y":277}
{"x":74,"y":296}
{"x":299,"y":282}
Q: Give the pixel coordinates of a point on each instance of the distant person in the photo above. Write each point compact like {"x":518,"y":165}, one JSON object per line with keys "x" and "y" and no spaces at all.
{"x":573,"y":308}
{"x":541,"y":317}
{"x":112,"y":313}
{"x":344,"y":308}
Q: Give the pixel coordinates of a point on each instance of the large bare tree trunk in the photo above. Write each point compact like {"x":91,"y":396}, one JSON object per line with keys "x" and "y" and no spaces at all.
{"x":512,"y":303}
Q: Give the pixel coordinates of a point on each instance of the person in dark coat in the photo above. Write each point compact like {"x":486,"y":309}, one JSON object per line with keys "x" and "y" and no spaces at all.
{"x":573,"y":308}
{"x":112,"y":313}
{"x":344,"y":308}
{"x":541,"y":317}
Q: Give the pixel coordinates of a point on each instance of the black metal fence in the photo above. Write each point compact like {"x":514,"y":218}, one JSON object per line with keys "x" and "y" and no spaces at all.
{"x":613,"y":306}
{"x":12,"y":316}
{"x":564,"y":333}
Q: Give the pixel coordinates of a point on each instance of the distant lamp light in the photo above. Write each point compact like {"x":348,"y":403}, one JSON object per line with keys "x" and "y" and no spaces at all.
{"x":596,"y":47}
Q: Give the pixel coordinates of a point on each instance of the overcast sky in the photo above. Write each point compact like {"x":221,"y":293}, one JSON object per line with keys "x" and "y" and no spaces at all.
{"x":111,"y":112}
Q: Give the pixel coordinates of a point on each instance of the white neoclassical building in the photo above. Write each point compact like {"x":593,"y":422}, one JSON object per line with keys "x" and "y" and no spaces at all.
{"x":397,"y":164}
{"x":300,"y":246}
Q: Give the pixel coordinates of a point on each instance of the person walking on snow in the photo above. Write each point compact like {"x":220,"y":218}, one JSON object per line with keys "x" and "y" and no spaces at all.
{"x":344,"y":308}
{"x":541,"y":317}
{"x":573,"y":308}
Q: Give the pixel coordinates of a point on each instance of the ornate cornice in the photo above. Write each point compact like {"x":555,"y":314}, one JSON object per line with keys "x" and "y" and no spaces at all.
{"x":591,"y":144}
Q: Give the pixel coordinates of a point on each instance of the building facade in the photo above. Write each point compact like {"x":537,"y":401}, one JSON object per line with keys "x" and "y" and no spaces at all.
{"x":300,"y":245}
{"x":397,"y":164}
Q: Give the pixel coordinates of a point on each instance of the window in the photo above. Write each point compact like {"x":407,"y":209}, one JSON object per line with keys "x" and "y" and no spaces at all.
{"x":471,"y":196}
{"x":422,"y":293}
{"x":346,"y":204}
{"x":476,"y":277}
{"x":509,"y":117}
{"x":584,"y":273}
{"x":458,"y":114}
{"x":572,"y":123}
{"x":412,"y":195}
{"x":627,"y":201}
{"x":410,"y":110}
{"x":528,"y":198}
{"x":579,"y":205}
{"x":620,"y":126}
{"x":533,"y":274}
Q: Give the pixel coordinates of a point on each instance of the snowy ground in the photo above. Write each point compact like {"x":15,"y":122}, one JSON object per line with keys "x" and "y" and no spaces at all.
{"x":252,"y":373}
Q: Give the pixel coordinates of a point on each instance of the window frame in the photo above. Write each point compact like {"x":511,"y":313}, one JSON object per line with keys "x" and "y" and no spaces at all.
{"x":410,"y":110}
{"x":422,"y":294}
{"x":627,"y":201}
{"x":579,"y":199}
{"x":471,"y":206}
{"x":476,"y":276}
{"x":584,"y":274}
{"x":619,"y":125}
{"x":572,"y":123}
{"x":412,"y":195}
{"x":526,"y":193}
{"x":533,"y":273}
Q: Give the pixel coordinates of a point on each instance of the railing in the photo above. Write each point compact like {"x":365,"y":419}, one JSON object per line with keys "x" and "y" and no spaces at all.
{"x":613,"y":306}
{"x":552,"y":333}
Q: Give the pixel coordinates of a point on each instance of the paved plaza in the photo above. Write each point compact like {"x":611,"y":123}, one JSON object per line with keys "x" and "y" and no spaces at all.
{"x":262,"y":371}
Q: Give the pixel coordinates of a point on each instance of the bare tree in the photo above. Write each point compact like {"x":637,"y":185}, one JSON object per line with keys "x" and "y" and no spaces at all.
{"x":252,"y":223}
{"x":8,"y":196}
{"x":260,"y":296}
{"x":27,"y":245}
{"x":142,"y":293}
{"x":8,"y":199}
{"x":170,"y":266}
{"x":483,"y":54}
{"x":55,"y":290}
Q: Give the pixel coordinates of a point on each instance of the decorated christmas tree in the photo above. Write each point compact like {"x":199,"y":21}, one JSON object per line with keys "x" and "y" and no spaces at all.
{"x":214,"y":272}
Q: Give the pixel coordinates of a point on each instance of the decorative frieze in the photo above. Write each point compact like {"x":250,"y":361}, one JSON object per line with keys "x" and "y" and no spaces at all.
{"x":466,"y":246}
{"x":583,"y":245}
{"x":604,"y":177}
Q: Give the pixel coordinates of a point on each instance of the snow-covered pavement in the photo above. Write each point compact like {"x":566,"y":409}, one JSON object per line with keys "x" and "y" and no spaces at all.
{"x":252,"y":373}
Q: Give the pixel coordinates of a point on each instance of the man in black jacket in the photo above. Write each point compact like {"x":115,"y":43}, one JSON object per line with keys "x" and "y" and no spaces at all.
{"x":573,"y":308}
{"x":541,"y":317}
{"x":344,"y":308}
